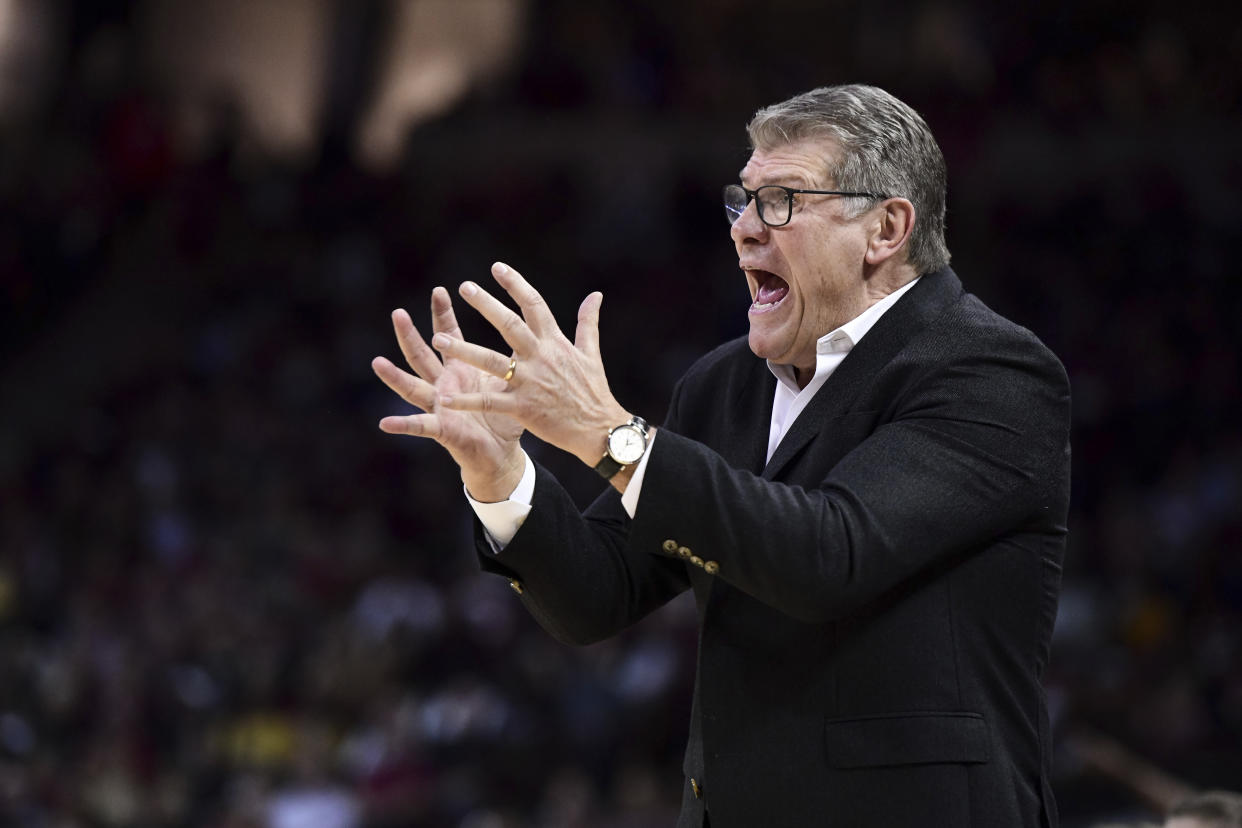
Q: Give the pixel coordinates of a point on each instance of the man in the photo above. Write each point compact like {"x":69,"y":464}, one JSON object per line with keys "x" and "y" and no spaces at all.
{"x":868,"y":495}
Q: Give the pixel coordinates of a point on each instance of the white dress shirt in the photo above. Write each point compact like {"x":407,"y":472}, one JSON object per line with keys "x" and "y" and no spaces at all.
{"x":502,"y":519}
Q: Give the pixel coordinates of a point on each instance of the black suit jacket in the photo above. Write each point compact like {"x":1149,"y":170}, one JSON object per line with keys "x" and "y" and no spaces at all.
{"x":875,"y":603}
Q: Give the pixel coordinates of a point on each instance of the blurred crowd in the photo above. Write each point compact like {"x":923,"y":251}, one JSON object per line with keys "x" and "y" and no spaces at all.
{"x":228,"y":601}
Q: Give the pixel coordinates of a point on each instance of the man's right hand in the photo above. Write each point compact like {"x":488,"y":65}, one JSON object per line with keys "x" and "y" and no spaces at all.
{"x":484,"y":444}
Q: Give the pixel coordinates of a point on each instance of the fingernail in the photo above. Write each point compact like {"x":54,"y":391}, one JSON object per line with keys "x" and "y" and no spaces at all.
{"x":499,"y":268}
{"x":445,"y":399}
{"x":440,"y":341}
{"x":469,"y":288}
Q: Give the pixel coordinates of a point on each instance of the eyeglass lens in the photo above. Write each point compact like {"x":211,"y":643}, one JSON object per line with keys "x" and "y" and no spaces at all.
{"x":773,"y":203}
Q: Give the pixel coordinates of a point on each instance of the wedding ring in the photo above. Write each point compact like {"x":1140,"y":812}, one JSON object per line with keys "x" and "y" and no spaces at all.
{"x":512,"y":367}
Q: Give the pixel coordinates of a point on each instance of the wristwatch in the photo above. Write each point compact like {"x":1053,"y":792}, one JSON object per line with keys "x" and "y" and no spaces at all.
{"x":626,"y":445}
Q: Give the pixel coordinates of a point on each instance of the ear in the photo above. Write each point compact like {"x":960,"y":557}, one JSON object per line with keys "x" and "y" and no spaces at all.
{"x":891,"y":230}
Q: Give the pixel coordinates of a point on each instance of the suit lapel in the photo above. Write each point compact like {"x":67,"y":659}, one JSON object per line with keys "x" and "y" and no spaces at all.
{"x":750,"y":416}
{"x":895,"y":328}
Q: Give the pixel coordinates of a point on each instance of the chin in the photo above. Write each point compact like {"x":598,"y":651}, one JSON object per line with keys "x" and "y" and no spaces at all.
{"x":761,"y":346}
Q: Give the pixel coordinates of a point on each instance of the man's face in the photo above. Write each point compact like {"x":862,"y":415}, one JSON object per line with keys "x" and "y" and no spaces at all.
{"x":805,"y":277}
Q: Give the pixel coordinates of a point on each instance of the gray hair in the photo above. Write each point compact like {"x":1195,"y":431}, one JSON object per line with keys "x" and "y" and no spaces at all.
{"x":886,"y":148}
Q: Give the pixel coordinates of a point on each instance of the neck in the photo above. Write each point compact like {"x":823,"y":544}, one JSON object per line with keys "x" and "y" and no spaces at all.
{"x":886,"y":280}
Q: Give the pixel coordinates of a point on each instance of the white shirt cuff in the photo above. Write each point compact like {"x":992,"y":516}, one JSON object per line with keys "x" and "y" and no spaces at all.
{"x":629,"y":498}
{"x":502,"y":519}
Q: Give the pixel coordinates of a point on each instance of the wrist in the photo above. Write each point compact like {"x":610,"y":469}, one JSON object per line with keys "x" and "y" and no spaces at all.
{"x":498,"y":482}
{"x":621,"y":480}
{"x":625,"y":446}
{"x":595,"y":435}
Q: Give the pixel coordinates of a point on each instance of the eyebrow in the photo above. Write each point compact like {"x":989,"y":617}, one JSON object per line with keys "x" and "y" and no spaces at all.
{"x":794,"y":181}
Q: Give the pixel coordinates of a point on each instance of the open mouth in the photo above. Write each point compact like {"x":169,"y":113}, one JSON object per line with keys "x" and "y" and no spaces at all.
{"x":770,"y":291}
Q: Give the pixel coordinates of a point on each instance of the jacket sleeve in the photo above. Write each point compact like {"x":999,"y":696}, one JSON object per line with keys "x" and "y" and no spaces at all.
{"x":974,"y":448}
{"x":579,"y":575}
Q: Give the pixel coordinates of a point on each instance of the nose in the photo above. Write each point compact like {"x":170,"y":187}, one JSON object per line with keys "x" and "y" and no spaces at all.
{"x":748,"y":227}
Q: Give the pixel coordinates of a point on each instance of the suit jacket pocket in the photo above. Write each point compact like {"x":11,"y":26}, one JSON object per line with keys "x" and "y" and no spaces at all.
{"x":915,"y":738}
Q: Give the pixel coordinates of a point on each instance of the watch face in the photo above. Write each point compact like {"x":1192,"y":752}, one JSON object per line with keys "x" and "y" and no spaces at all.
{"x":626,"y":444}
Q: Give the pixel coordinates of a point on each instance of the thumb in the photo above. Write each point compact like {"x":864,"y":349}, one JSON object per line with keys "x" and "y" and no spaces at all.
{"x":586,"y":337}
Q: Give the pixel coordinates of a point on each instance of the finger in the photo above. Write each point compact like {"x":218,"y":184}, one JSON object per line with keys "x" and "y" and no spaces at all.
{"x":485,"y":359}
{"x":419,"y":357}
{"x":485,"y":401}
{"x":413,"y":425}
{"x":534,"y":310}
{"x":512,"y":327}
{"x":443,"y":319}
{"x":586,"y":338}
{"x":412,"y":389}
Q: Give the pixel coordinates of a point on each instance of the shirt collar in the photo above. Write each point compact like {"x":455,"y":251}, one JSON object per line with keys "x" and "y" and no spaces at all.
{"x":841,"y":340}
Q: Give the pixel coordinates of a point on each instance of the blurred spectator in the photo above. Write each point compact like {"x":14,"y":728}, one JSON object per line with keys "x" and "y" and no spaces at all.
{"x":1211,"y":809}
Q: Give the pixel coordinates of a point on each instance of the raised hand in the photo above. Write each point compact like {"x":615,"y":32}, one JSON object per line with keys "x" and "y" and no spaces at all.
{"x":558,"y":389}
{"x":483,"y":443}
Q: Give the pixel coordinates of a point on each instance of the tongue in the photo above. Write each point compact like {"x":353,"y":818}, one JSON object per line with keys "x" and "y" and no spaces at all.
{"x":772,"y":290}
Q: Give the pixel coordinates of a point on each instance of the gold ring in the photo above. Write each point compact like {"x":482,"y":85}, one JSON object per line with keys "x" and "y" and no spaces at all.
{"x":512,"y":367}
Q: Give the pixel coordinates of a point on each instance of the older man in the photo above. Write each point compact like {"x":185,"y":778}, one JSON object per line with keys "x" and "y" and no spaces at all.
{"x":867,"y":495}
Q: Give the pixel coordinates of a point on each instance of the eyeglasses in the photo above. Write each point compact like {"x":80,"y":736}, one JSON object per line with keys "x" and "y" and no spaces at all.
{"x":775,"y":202}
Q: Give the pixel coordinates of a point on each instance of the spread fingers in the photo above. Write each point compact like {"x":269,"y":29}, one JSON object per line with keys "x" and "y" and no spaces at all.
{"x":412,"y":389}
{"x":485,"y":359}
{"x":420,"y":357}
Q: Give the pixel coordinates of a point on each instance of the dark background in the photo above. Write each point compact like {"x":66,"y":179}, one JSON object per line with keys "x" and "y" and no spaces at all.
{"x":226,"y":599}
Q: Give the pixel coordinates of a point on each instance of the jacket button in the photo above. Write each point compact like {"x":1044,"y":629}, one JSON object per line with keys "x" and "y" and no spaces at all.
{"x":684,"y":552}
{"x":711,"y":567}
{"x":696,"y":560}
{"x":670,"y":546}
{"x":516,"y":586}
{"x":696,"y":787}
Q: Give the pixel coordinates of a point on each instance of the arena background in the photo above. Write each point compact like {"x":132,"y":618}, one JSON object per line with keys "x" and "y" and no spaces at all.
{"x":226,"y":599}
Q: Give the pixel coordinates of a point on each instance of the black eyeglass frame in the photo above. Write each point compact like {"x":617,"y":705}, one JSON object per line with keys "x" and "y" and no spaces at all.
{"x":790,"y":192}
